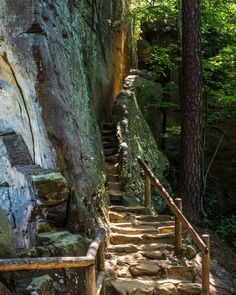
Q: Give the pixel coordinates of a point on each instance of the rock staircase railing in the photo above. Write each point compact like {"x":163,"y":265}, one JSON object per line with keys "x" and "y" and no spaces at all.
{"x":180,"y":220}
{"x":95,"y":255}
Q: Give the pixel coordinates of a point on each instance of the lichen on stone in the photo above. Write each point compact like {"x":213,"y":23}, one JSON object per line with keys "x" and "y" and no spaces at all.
{"x":136,"y":140}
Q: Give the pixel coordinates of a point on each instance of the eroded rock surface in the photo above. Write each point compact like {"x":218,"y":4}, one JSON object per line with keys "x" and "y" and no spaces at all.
{"x":145,"y":263}
{"x":56,"y":87}
{"x":136,"y":139}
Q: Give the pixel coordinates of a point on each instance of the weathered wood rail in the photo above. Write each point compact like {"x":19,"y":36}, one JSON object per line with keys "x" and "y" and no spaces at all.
{"x":95,"y":284}
{"x":180,"y":220}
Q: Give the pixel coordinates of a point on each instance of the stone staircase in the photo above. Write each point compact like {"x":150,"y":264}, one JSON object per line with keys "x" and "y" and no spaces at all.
{"x":110,"y":146}
{"x":140,"y":258}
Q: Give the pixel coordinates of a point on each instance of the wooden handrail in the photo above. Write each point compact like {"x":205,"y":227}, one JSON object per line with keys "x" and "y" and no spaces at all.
{"x":99,"y":238}
{"x":196,"y":238}
{"x":203,"y":244}
{"x":44,"y":263}
{"x":96,"y":249}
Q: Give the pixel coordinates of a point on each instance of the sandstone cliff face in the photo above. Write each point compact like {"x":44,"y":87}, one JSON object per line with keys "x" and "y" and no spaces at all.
{"x":57,"y":60}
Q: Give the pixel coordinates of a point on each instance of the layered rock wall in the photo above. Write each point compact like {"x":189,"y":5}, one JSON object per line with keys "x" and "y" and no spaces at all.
{"x":136,"y":140}
{"x":57,"y":83}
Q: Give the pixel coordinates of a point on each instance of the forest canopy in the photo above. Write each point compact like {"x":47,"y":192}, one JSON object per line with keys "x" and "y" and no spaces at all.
{"x":218,"y":39}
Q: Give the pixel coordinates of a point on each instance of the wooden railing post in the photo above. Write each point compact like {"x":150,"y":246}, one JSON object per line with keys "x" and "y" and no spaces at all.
{"x":91,"y":280}
{"x":147,"y":189}
{"x":206,"y":267}
{"x":178,"y":228}
{"x":101,"y":263}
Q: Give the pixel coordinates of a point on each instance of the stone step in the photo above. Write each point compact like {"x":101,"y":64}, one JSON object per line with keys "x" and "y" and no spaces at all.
{"x":110,"y":151}
{"x":116,"y":239}
{"x":150,"y":287}
{"x":154,"y":218}
{"x":109,"y":132}
{"x":108,"y":126}
{"x":131,"y":248}
{"x":124,"y":258}
{"x":134,"y":231}
{"x":133,"y":218}
{"x":114,"y":186}
{"x":116,"y":196}
{"x":113,"y":159}
{"x":136,"y":210}
{"x":109,"y":144}
{"x":149,"y":269}
{"x":109,"y":138}
{"x":137,"y":224}
{"x":161,"y":270}
{"x":112,"y":168}
{"x":113,"y":177}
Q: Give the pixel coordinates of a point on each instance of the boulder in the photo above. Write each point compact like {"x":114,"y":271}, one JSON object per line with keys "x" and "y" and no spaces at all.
{"x":148,"y":268}
{"x":136,"y":139}
{"x":123,"y":287}
{"x":62,"y":243}
{"x":7,"y":239}
{"x":52,"y":188}
{"x":189,"y":289}
{"x":190,"y":252}
{"x":4,"y":290}
{"x":166,"y":289}
{"x":42,"y":285}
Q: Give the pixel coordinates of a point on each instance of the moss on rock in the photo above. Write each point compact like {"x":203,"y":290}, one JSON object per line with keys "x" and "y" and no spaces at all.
{"x":7,"y":239}
{"x":136,"y":140}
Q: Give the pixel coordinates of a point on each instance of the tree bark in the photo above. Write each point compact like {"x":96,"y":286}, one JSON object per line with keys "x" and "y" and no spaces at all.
{"x":191,"y":110}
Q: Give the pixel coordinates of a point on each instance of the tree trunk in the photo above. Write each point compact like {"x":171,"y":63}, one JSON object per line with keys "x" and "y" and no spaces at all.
{"x":191,"y":109}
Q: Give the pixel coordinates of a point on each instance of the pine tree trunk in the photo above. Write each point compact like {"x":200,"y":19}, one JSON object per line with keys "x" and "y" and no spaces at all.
{"x":191,"y":109}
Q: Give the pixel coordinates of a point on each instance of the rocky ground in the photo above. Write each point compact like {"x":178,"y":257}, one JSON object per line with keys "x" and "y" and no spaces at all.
{"x":140,"y":257}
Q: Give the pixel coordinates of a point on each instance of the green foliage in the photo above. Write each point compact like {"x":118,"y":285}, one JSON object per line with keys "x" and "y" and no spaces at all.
{"x":218,"y":25}
{"x":165,"y":11}
{"x":164,"y":59}
{"x":224,"y":226}
{"x":220,"y":75}
{"x":151,"y":11}
{"x":219,"y":62}
{"x":227,"y":229}
{"x":172,"y":131}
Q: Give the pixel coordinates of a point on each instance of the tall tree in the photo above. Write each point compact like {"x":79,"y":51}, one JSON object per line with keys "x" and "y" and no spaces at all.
{"x":191,"y":110}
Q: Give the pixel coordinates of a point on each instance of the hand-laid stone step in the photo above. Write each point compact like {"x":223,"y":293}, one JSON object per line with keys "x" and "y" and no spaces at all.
{"x":136,"y":210}
{"x":137,"y":224}
{"x":123,"y":287}
{"x":108,"y":131}
{"x":113,"y":177}
{"x":162,"y":270}
{"x":110,"y":151}
{"x":145,"y":287}
{"x":115,"y":195}
{"x":189,"y":289}
{"x":116,"y":239}
{"x":109,"y":144}
{"x":114,"y":216}
{"x":154,"y":255}
{"x":127,"y":259}
{"x":153,"y":218}
{"x":131,"y":248}
{"x":113,"y":159}
{"x":108,"y":126}
{"x":112,"y":168}
{"x":115,"y":186}
{"x":135,"y":231}
{"x":109,"y":138}
{"x":118,"y":216}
